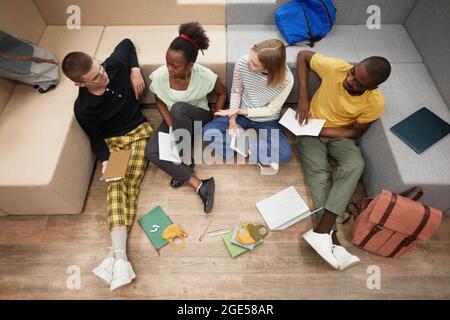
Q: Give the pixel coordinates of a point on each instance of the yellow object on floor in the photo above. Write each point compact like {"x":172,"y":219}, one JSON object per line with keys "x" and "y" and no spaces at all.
{"x":171,"y":233}
{"x":250,"y":233}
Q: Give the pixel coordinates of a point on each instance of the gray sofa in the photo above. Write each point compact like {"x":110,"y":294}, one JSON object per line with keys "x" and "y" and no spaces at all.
{"x":414,"y":38}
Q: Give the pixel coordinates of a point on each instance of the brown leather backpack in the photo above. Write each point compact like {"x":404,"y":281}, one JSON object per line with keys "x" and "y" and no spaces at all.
{"x":391,"y":224}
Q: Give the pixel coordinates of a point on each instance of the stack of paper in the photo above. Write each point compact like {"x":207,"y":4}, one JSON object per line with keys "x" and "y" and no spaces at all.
{"x":313,"y":127}
{"x":283,"y":209}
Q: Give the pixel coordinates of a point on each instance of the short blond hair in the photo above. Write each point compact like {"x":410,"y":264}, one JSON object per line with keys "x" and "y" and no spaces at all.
{"x":272,"y":55}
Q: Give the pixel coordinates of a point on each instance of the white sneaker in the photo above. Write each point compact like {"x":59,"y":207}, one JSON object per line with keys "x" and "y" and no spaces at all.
{"x":268,"y":170}
{"x":323,"y":245}
{"x":123,"y":274}
{"x":344,"y":258}
{"x":275,"y":166}
{"x":105,"y":270}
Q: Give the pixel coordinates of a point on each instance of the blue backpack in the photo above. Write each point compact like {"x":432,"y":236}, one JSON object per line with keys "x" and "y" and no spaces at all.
{"x":305,"y":20}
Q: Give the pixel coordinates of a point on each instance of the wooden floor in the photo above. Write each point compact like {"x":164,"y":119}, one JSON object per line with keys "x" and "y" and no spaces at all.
{"x":35,"y":251}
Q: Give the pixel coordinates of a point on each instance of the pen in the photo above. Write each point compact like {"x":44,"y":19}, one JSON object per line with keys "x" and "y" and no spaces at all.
{"x":318,"y":209}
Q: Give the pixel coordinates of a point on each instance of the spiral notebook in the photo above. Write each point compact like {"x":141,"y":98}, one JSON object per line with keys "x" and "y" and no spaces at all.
{"x":283,"y":209}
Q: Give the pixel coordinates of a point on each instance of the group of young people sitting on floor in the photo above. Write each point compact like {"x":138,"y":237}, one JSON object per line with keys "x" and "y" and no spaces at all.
{"x":108,"y":110}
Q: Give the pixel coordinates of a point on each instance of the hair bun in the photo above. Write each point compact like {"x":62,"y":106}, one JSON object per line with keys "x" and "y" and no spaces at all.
{"x":195,"y":31}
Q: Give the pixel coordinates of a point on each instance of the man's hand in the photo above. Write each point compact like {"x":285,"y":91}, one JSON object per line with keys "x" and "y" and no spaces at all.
{"x":228,"y":112}
{"x":137,"y":82}
{"x":104,"y":165}
{"x":302,"y":111}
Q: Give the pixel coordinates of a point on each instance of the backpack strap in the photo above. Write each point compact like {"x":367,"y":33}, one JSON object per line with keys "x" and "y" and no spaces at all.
{"x":417,"y":190}
{"x":26,"y":58}
{"x":379,"y":226}
{"x":328,"y":13}
{"x":408,"y":240}
{"x":312,"y":39}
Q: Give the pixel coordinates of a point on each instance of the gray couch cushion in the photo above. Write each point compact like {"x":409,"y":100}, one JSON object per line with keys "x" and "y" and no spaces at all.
{"x":351,"y":43}
{"x":428,"y":26}
{"x":348,"y":11}
{"x":390,"y":163}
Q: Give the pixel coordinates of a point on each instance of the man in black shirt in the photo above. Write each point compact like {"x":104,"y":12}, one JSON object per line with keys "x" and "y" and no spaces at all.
{"x":107,"y":109}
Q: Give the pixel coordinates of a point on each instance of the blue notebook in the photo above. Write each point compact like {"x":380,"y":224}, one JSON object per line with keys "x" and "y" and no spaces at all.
{"x":421,"y":130}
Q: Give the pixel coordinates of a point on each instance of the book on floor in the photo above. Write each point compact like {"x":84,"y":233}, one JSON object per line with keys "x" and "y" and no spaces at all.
{"x":235,"y":250}
{"x":283,"y":209}
{"x":153,"y":224}
{"x":312,"y":128}
{"x":117,"y":165}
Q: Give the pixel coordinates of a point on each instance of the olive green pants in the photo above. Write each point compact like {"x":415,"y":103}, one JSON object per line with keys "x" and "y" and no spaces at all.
{"x":314,"y":153}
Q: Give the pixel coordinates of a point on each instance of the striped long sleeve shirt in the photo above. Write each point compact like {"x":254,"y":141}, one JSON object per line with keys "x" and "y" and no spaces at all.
{"x":250,"y":91}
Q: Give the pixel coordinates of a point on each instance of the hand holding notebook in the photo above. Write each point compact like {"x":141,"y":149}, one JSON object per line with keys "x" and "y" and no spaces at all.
{"x":313,"y":127}
{"x":117,"y":165}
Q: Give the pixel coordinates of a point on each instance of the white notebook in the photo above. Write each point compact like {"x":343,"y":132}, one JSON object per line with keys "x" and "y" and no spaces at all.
{"x":168,"y":150}
{"x":313,"y":127}
{"x":234,"y":146}
{"x":283,"y":209}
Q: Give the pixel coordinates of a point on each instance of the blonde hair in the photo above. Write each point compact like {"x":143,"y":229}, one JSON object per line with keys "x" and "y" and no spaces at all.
{"x":272,"y":55}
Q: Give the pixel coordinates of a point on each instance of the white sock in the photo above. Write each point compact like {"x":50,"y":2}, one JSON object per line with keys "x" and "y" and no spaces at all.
{"x":199,"y":186}
{"x":119,"y":243}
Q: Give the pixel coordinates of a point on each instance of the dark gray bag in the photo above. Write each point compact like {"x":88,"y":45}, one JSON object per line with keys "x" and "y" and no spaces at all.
{"x":23,"y":61}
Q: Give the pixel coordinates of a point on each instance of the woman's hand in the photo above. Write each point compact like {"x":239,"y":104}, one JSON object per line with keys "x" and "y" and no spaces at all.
{"x":227,"y":112}
{"x":233,"y":128}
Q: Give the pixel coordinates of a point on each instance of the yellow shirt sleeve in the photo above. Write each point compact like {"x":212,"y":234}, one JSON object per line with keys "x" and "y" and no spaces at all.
{"x":374,"y":110}
{"x":322,"y":65}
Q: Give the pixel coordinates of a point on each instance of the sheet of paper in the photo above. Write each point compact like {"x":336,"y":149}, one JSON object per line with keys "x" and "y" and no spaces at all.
{"x":283,"y":209}
{"x":233,"y":146}
{"x":311,"y":129}
{"x":168,"y":150}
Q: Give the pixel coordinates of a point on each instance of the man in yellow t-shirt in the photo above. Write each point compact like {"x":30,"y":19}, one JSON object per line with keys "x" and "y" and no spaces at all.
{"x":348,"y":99}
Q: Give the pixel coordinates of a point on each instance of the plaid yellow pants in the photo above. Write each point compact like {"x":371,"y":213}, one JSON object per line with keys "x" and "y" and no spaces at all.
{"x":122,"y":195}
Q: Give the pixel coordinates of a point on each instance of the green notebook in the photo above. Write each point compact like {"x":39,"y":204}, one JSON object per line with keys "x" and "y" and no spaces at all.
{"x":233,"y":249}
{"x":154,"y":224}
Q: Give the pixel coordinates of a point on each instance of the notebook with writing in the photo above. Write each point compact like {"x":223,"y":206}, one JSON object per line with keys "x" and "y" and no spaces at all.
{"x":117,"y":165}
{"x":421,"y":130}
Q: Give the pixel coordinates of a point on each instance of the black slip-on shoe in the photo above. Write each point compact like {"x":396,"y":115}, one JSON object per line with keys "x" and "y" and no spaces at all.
{"x":206,"y":193}
{"x":175,"y":183}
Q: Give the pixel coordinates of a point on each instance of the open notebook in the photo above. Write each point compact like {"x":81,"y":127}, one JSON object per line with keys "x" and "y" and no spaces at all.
{"x":168,"y":149}
{"x":313,"y":127}
{"x":283,"y":209}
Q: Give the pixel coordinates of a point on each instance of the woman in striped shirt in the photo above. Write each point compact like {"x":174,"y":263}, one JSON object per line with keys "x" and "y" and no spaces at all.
{"x":262,"y":82}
